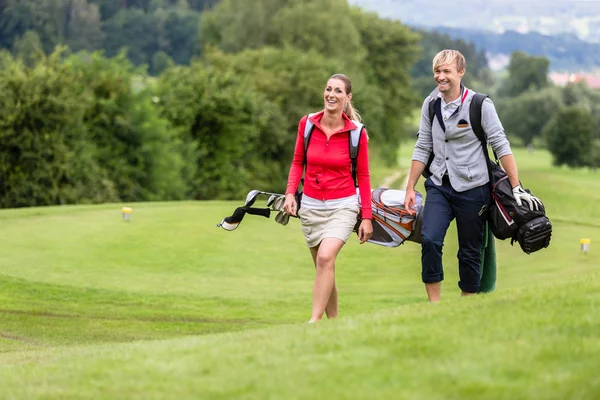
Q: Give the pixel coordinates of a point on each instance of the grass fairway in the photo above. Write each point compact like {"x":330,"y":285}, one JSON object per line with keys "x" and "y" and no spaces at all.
{"x":169,"y":306}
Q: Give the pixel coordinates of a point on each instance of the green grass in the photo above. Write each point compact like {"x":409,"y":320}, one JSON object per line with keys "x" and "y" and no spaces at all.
{"x":170,"y":306}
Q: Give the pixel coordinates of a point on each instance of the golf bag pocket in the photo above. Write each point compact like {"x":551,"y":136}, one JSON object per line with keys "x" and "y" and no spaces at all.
{"x":534,"y":235}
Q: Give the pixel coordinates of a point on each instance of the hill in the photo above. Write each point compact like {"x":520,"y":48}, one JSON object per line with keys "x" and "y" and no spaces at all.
{"x":567,"y":33}
{"x":554,"y":17}
{"x":565,"y":52}
{"x":167,"y":306}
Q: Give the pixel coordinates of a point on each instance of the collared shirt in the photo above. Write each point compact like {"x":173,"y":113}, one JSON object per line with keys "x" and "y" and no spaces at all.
{"x":448,"y":109}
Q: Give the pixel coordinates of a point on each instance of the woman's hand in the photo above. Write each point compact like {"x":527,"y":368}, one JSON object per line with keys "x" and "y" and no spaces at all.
{"x":365,"y":230}
{"x":289,"y":205}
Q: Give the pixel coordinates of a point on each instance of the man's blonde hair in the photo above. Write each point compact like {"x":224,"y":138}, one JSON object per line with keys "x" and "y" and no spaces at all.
{"x":448,"y":57}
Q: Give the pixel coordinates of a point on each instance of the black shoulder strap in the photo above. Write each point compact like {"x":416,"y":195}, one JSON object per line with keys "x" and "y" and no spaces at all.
{"x":475,"y":117}
{"x":431,"y":111}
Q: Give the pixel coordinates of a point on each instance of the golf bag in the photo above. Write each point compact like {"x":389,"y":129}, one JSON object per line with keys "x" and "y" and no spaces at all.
{"x":392,"y":223}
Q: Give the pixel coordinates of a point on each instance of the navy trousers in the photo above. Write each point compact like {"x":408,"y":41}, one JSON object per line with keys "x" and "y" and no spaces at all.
{"x":442,"y":205}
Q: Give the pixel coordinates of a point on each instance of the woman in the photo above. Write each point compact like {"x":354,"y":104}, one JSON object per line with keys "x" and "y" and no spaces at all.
{"x":330,"y":206}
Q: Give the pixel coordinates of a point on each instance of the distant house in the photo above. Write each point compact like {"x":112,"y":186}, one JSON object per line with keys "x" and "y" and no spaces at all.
{"x":562,"y":79}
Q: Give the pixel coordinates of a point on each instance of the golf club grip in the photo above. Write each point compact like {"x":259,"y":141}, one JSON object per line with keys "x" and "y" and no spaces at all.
{"x":265,"y":212}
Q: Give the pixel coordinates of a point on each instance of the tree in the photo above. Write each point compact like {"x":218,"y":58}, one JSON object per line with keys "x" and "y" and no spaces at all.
{"x":525,"y":73}
{"x":108,"y":8}
{"x":28,"y":48}
{"x":375,"y":53}
{"x":44,"y":156}
{"x":228,"y":127}
{"x":391,"y":49}
{"x":83,"y":26}
{"x":138,"y":151}
{"x":160,"y":62}
{"x":134,"y":30}
{"x":178,"y":33}
{"x":293,"y":79}
{"x":569,"y":136}
{"x":526,"y":115}
{"x":235,"y":25}
{"x":16,"y":18}
{"x":309,"y":25}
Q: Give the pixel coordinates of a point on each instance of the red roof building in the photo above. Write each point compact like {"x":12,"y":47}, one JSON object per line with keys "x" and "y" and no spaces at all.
{"x":562,"y":79}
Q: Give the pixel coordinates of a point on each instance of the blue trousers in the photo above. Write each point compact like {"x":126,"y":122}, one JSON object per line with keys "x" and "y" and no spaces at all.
{"x":442,"y":205}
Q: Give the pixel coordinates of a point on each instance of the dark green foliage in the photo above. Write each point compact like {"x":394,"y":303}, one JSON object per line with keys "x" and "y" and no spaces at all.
{"x":376,"y":54}
{"x":80,"y":131}
{"x":569,"y":135}
{"x":133,"y":30}
{"x":391,"y":50}
{"x":229,"y":128}
{"x":16,"y":18}
{"x":525,"y":73}
{"x":526,"y":115}
{"x":142,"y":27}
{"x":28,"y":48}
{"x":178,"y":32}
{"x":136,"y":149}
{"x":44,"y":156}
{"x":98,"y":129}
{"x":160,"y":62}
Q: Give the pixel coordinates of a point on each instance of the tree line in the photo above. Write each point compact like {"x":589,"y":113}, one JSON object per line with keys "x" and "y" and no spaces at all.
{"x":84,"y":125}
{"x":87,"y":126}
{"x":155,"y":32}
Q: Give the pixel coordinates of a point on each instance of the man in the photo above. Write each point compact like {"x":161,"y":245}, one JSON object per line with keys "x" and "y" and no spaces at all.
{"x":458,"y":187}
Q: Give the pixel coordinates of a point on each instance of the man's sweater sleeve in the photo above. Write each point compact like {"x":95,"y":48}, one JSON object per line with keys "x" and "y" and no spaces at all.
{"x":493,"y":128}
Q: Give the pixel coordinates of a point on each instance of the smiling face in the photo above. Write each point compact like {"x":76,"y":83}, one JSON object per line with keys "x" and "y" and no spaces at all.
{"x":335,"y":95}
{"x":447,"y":78}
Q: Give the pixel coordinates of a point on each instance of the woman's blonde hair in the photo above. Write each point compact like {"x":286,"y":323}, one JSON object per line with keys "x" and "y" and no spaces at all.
{"x":448,"y":57}
{"x":349,"y":109}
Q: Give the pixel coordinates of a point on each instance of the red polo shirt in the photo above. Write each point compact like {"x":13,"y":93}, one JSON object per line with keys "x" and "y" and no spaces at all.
{"x":329,"y":168}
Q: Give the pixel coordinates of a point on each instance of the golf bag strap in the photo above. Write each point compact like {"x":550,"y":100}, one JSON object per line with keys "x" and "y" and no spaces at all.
{"x":353,"y":142}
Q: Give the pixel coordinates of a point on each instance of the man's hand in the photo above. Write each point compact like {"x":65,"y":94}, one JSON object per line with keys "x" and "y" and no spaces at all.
{"x":410,"y":200}
{"x":522,"y":196}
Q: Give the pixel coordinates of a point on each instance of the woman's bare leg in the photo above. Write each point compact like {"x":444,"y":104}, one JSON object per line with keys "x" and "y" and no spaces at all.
{"x":331,"y":310}
{"x":324,"y":292}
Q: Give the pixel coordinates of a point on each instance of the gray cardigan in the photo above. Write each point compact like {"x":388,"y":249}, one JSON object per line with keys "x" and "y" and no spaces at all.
{"x":458,"y":152}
